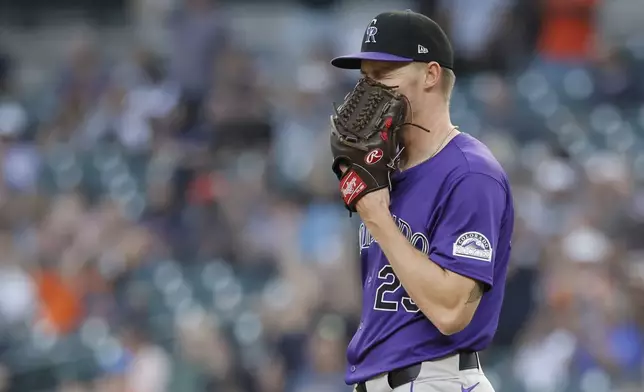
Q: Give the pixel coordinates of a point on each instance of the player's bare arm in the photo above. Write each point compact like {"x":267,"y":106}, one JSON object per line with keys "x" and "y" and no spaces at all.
{"x":447,"y":299}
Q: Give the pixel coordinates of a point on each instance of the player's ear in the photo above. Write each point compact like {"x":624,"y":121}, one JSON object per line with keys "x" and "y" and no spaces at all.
{"x":432,"y":73}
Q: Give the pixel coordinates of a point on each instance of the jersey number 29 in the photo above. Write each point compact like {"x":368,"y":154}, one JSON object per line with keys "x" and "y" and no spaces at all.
{"x":390,"y":285}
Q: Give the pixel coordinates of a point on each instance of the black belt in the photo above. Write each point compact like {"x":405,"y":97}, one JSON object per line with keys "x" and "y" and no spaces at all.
{"x":400,"y":377}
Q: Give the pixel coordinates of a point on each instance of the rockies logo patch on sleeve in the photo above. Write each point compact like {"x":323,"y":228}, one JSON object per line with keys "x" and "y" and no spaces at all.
{"x":473,"y":245}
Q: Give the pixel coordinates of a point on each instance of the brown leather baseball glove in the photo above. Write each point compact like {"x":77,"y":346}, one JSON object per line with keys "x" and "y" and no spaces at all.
{"x":364,"y":139}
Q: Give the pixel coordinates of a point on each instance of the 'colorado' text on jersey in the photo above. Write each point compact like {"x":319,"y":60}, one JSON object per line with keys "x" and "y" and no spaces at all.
{"x":457,"y":209}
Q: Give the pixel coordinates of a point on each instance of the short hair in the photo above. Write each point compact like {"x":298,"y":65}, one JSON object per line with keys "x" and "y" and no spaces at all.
{"x":448,"y":80}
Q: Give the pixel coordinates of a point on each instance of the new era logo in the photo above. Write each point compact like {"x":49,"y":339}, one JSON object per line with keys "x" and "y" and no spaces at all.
{"x":422,"y":49}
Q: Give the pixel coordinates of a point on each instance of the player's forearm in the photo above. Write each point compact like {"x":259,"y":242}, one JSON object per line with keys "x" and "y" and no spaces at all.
{"x":440,"y":294}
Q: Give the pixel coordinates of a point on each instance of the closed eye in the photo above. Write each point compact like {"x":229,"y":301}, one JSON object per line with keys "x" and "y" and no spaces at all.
{"x":370,"y":75}
{"x":374,"y":72}
{"x":379,"y":76}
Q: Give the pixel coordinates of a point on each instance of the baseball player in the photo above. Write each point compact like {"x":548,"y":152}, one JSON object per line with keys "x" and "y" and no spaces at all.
{"x":436,"y":210}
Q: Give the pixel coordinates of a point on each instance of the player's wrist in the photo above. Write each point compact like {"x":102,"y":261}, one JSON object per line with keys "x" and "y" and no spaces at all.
{"x":376,"y":217}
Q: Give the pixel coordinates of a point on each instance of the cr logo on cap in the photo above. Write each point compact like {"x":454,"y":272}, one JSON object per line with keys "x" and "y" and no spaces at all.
{"x":371,"y":32}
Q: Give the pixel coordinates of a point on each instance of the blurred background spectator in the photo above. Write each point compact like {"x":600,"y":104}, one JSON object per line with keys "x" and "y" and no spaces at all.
{"x":169,"y":221}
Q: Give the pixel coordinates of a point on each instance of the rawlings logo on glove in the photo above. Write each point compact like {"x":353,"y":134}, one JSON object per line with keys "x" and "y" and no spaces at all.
{"x":373,"y":157}
{"x":364,"y":139}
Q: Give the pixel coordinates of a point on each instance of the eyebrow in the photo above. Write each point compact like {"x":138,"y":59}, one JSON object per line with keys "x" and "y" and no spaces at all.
{"x":374,"y":71}
{"x":381,"y":69}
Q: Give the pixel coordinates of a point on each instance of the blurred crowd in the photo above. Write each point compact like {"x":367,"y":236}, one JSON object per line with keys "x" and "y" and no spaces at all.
{"x":169,"y":220}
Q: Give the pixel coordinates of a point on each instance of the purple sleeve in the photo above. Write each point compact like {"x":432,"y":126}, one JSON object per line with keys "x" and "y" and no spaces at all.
{"x":465,"y":237}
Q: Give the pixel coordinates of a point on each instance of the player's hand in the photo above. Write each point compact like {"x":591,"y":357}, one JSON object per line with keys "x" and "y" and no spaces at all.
{"x":374,"y":205}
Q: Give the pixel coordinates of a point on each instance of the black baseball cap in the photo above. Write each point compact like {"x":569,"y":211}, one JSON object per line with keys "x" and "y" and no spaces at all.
{"x":401,"y":36}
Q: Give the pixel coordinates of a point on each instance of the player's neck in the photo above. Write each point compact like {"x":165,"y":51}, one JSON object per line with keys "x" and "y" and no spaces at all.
{"x":421,"y":145}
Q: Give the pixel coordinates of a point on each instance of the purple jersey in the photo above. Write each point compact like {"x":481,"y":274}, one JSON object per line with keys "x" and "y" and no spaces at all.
{"x":456,"y":208}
